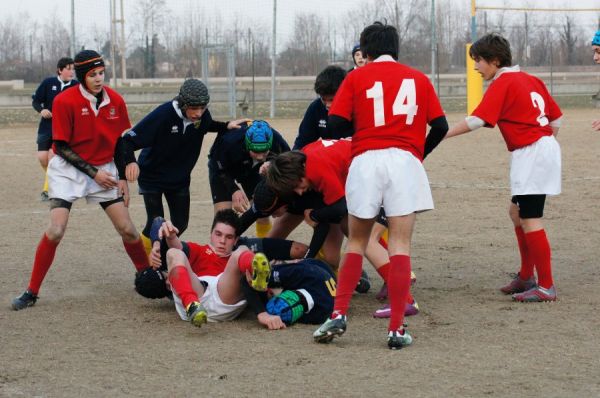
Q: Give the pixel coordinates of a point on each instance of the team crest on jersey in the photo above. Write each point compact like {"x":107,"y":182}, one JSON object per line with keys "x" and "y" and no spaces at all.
{"x":85,"y":111}
{"x":112,"y":113}
{"x":209,"y":251}
{"x":174,"y":129}
{"x":322,"y":124}
{"x":53,"y":88}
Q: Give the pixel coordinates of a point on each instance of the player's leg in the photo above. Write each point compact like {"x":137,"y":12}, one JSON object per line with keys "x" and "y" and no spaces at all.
{"x":187,"y":287}
{"x":179,"y":208}
{"x":531,"y":210}
{"x":119,"y":216}
{"x":241,"y":263}
{"x":525,"y":279}
{"x":284,"y":225}
{"x":154,"y":208}
{"x":44,"y":255}
{"x":330,"y":251}
{"x":44,"y":143}
{"x":400,"y":232}
{"x":263,"y":225}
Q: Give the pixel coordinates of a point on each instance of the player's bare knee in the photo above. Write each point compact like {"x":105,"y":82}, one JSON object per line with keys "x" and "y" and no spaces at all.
{"x":298,"y":250}
{"x":55,"y":232}
{"x":175,"y":257}
{"x":127,"y":231}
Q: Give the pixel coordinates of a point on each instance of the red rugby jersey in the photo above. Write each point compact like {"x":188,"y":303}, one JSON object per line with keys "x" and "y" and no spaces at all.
{"x":91,"y":133}
{"x":204,"y":261}
{"x":521,"y":106}
{"x":327,"y":163}
{"x":389,"y":104}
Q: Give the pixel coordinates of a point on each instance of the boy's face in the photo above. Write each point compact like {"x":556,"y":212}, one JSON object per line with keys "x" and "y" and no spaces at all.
{"x":486,"y":69}
{"x":302,"y":186}
{"x":259,"y":156}
{"x":67,"y":73}
{"x":596,"y":54}
{"x":327,"y":100}
{"x":358,"y":59}
{"x":194,"y":113}
{"x":94,"y":80}
{"x":222,"y":239}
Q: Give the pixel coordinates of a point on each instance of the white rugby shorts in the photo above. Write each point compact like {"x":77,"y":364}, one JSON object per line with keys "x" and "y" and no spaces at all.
{"x":67,"y":183}
{"x":216,"y":310}
{"x":536,"y":168}
{"x":392,"y":178}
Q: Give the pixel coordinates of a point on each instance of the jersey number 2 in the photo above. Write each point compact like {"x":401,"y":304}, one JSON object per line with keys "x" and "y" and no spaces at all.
{"x":404,"y":104}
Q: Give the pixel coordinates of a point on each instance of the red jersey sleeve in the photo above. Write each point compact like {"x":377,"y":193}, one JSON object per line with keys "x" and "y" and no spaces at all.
{"x":490,"y":107}
{"x":62,"y":120}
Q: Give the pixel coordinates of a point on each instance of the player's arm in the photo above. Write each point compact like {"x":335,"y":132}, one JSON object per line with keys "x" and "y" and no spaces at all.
{"x":318,"y":238}
{"x":339,"y":127}
{"x":469,"y":123}
{"x":439,"y":128}
{"x":555,"y":124}
{"x":256,"y":302}
{"x":332,"y":213}
{"x":38,"y":98}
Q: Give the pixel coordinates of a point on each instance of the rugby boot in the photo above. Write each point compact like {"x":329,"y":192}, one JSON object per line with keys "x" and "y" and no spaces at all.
{"x":364,"y":284}
{"x":261,"y":271}
{"x":333,"y":327}
{"x":386,"y":311}
{"x":196,"y":314}
{"x":536,"y":295}
{"x":518,"y":285}
{"x":27,"y":299}
{"x":398,"y":339}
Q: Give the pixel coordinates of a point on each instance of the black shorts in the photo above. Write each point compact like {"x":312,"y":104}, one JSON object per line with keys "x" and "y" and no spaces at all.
{"x":44,"y":141}
{"x":310,"y":200}
{"x":219,"y":191}
{"x":530,"y":206}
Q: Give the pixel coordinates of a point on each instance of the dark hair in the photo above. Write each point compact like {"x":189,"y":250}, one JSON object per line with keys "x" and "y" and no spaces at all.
{"x":227,"y":217}
{"x":379,"y":39}
{"x":329,"y":80}
{"x":492,"y":47}
{"x":285,"y":172}
{"x":64,"y":62}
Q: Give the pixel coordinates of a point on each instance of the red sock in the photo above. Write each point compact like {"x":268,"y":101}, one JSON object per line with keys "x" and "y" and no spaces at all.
{"x":410,"y":299}
{"x":137,"y":254}
{"x":384,"y":271}
{"x":348,"y":278}
{"x":44,"y":255}
{"x":245,"y":261}
{"x":398,"y":289}
{"x":526,"y":271}
{"x":181,"y":284}
{"x":540,"y":254}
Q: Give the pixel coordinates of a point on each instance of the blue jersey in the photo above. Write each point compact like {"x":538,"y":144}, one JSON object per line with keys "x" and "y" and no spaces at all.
{"x":314,"y":125}
{"x":44,"y":97}
{"x":171,"y":146}
{"x":316,"y":278}
{"x":229,"y":155}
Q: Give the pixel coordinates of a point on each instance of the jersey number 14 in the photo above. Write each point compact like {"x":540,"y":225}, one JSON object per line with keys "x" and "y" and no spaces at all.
{"x":404,"y":104}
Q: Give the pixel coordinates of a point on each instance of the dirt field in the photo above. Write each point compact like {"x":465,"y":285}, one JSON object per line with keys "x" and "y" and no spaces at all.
{"x":91,"y":335}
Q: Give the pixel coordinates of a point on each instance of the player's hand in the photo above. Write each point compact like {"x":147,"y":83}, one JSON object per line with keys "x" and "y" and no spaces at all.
{"x":105,"y":179}
{"x":264,"y":168}
{"x":46,"y":114}
{"x":124,"y":191}
{"x":132,"y":171}
{"x":240,"y":202}
{"x":236,"y":124}
{"x":309,"y":220}
{"x":596,"y":125}
{"x":155,"y":255}
{"x":272,"y":322}
{"x":167,"y":230}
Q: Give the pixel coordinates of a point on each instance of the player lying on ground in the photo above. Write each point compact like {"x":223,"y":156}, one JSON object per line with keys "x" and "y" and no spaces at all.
{"x":529,"y":119}
{"x":235,"y":158}
{"x":388,"y":105}
{"x":171,"y":137}
{"x":87,"y":124}
{"x":305,"y":291}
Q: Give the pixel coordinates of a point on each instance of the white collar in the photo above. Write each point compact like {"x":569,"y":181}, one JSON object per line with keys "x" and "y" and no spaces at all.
{"x":506,"y":69}
{"x":384,"y":58}
{"x":93,"y":100}
{"x":186,"y":121}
